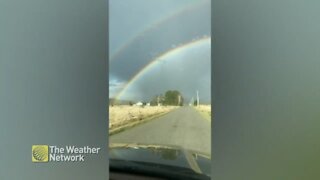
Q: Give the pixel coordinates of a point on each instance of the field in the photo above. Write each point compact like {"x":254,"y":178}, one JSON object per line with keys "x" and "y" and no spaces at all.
{"x":205,"y":110}
{"x":123,"y":114}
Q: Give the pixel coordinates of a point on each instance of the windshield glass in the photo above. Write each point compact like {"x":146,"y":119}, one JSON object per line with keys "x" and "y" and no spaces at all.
{"x":160,"y":80}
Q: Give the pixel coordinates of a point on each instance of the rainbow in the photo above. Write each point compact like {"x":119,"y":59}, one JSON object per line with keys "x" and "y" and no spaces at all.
{"x":164,"y":55}
{"x":189,"y":7}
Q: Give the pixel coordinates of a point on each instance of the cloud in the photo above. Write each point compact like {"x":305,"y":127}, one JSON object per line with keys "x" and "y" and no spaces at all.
{"x":179,"y":29}
{"x":115,"y":86}
{"x":187,"y":72}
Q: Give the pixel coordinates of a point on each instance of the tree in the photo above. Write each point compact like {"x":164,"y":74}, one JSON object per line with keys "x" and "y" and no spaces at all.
{"x":153,"y":101}
{"x":158,"y":99}
{"x":173,"y":98}
{"x":170,"y":98}
{"x":111,"y":101}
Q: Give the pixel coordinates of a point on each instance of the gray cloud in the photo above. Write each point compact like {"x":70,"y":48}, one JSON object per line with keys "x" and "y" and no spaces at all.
{"x":190,"y":24}
{"x":188,"y":73}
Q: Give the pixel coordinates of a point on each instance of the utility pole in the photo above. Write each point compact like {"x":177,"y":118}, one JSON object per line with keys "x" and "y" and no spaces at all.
{"x":191,"y":102}
{"x":197,"y":98}
{"x":179,"y":100}
{"x":158,"y":98}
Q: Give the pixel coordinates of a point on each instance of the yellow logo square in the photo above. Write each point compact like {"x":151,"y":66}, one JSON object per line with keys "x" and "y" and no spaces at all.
{"x":40,"y":153}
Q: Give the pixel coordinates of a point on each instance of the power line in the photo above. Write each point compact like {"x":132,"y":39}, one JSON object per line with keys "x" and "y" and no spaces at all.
{"x":197,"y":98}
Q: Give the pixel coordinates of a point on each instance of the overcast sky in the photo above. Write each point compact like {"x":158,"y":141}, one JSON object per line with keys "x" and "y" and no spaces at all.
{"x":142,"y":30}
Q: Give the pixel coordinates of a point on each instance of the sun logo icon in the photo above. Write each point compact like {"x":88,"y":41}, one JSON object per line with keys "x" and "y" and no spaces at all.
{"x":40,"y":153}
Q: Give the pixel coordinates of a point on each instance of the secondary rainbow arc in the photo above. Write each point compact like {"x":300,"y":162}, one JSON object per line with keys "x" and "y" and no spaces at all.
{"x":169,"y":53}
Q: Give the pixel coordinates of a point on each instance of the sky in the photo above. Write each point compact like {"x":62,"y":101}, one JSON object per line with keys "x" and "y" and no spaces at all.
{"x":157,"y":46}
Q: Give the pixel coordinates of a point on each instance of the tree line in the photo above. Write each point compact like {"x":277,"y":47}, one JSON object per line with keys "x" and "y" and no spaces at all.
{"x":170,"y":98}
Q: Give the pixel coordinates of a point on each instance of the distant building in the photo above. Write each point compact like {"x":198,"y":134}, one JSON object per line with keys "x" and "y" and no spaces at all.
{"x":139,"y":103}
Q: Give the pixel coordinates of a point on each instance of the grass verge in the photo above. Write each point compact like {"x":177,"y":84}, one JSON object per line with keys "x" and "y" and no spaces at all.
{"x":135,"y":123}
{"x":204,"y":113}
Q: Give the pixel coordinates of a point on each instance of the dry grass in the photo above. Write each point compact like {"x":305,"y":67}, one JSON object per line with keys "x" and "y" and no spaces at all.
{"x":205,"y":110}
{"x":122,"y":115}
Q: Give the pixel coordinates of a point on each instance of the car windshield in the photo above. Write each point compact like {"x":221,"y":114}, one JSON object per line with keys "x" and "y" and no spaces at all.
{"x":160,"y":81}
